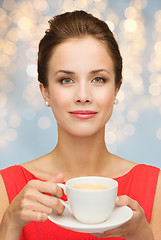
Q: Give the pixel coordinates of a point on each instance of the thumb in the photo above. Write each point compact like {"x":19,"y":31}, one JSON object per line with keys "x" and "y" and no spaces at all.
{"x":127,"y":201}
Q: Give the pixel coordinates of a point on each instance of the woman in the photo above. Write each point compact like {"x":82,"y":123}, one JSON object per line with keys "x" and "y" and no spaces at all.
{"x":80,"y":74}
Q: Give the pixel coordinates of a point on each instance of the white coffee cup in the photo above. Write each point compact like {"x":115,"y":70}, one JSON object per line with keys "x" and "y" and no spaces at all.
{"x":90,"y":206}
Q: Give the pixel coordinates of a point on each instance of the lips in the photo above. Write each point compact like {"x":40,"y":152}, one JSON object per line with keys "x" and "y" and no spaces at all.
{"x":83,"y":114}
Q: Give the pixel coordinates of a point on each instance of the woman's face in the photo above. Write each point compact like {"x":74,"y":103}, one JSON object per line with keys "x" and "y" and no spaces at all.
{"x":81,"y":86}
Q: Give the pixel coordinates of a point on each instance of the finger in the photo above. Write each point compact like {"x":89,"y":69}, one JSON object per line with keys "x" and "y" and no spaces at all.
{"x":115,"y":232}
{"x":101,"y":235}
{"x":38,"y":207}
{"x":45,"y":187}
{"x":38,"y":216}
{"x":98,"y":235}
{"x":35,"y":190}
{"x":41,"y":217}
{"x":51,"y":202}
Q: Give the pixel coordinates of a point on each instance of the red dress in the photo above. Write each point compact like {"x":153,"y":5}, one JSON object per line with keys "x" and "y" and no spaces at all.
{"x":139,"y":184}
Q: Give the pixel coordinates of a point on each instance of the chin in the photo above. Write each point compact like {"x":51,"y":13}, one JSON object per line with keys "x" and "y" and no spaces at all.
{"x":84,"y":133}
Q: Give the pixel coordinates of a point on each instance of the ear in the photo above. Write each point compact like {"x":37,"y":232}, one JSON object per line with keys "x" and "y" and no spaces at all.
{"x":116,"y":92}
{"x":45,"y":93}
{"x":117,"y":88}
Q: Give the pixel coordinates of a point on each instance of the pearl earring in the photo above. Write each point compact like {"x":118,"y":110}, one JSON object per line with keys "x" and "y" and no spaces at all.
{"x":116,"y":101}
{"x":46,"y":103}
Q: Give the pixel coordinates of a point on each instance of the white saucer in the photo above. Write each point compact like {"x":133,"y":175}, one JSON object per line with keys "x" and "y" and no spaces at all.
{"x":119,"y":216}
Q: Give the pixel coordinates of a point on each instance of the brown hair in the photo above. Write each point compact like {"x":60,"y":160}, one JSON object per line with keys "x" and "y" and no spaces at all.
{"x":73,"y":25}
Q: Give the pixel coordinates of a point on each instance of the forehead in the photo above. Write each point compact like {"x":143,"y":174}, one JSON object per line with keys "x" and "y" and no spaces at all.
{"x":87,"y":52}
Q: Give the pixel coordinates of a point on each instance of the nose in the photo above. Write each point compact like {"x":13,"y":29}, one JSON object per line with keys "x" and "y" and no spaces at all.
{"x":83,"y":93}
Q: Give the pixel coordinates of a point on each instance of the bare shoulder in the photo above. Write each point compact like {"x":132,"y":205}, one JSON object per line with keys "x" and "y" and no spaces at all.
{"x":126,"y":166}
{"x":120,"y":166}
{"x":156,"y":213}
{"x":35,"y":167}
{"x":3,"y":198}
{"x":41,"y":167}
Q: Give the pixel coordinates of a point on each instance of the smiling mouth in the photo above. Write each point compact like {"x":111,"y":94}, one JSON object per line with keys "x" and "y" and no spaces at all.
{"x":83,"y":114}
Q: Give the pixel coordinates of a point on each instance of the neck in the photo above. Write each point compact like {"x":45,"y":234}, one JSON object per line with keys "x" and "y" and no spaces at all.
{"x":81,"y":155}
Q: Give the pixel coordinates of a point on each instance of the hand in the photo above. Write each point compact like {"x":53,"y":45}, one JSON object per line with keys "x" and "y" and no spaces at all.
{"x":137,"y":228}
{"x":32,"y":204}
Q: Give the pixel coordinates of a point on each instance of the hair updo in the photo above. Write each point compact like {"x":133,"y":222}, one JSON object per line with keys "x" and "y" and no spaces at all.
{"x":76,"y":24}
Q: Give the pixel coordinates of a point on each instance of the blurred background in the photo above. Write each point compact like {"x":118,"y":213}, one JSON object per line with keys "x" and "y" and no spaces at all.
{"x":28,"y":129}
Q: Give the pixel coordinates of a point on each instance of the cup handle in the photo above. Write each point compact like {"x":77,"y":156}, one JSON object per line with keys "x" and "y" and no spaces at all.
{"x":65,"y":203}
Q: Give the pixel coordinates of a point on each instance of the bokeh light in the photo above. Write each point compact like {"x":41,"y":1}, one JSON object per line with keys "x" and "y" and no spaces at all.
{"x":44,"y":123}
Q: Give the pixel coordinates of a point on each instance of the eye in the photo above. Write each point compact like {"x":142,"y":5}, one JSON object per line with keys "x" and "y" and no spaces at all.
{"x":66,"y":81}
{"x":98,"y":80}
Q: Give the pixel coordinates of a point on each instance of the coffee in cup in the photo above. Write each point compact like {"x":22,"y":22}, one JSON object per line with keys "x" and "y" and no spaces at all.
{"x":89,"y":187}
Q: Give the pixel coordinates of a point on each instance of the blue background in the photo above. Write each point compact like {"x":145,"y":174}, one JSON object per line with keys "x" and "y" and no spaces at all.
{"x":28,"y":129}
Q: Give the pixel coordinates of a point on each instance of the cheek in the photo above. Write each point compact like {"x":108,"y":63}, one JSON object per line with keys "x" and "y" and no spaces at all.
{"x":105,"y":98}
{"x":60,"y":99}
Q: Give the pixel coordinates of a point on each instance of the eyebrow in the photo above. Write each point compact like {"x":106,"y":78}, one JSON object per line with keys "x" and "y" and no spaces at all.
{"x":65,"y":71}
{"x":99,"y":70}
{"x":73,"y":73}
